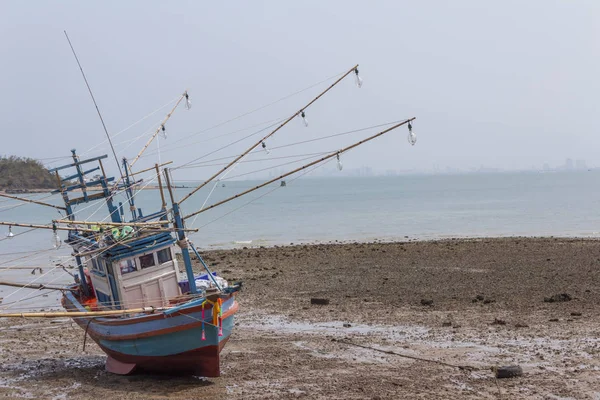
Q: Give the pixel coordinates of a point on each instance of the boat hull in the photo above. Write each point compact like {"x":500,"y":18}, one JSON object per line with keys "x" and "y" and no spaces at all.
{"x":178,"y":343}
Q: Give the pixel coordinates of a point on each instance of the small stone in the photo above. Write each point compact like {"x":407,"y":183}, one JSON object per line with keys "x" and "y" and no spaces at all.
{"x":558,"y":298}
{"x":576,"y":314}
{"x":508,"y":371}
{"x":426,"y":302}
{"x":347,"y":325}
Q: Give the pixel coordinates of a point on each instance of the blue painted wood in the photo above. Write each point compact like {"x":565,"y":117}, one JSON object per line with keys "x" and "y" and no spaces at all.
{"x":78,"y":163}
{"x":187,"y":339}
{"x":210,"y":275}
{"x":128,"y":190}
{"x":68,"y":178}
{"x":85,"y":185}
{"x":157,"y":215}
{"x":187,"y":261}
{"x":172,"y":343}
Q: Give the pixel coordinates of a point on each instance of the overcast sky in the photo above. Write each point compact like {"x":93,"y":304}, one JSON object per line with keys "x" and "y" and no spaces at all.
{"x":506,"y":84}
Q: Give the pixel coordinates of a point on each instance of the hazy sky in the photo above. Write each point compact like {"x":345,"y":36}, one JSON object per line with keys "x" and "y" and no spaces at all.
{"x":506,"y":84}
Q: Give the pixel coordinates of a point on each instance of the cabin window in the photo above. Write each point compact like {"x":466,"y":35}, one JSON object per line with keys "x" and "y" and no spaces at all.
{"x":127,"y":266}
{"x":103,"y":298}
{"x":147,"y":261}
{"x":98,"y":266}
{"x":164,"y":255}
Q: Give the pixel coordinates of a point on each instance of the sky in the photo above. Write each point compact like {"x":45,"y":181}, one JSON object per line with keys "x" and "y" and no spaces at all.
{"x":510,"y":84}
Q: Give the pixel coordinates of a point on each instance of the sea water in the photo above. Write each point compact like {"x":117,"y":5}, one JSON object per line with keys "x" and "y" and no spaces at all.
{"x":332,"y":209}
{"x":361,"y":209}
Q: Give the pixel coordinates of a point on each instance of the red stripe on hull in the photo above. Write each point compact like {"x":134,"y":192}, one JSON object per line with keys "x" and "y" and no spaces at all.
{"x":202,"y":362}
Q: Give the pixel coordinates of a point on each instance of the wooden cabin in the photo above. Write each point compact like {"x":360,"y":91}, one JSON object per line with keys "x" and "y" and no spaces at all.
{"x":141,"y":273}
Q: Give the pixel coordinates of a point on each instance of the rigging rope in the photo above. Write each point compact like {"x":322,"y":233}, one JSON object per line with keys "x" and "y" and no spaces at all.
{"x":277,"y":166}
{"x":226,"y":146}
{"x":261,"y":196}
{"x":259,"y":108}
{"x":134,"y":124}
{"x":168,"y":149}
{"x":201,"y":164}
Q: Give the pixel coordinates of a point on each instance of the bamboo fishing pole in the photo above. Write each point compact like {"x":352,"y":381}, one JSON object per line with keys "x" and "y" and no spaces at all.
{"x":39,"y":286}
{"x":154,"y":227}
{"x":32,"y":201}
{"x":162,"y":124}
{"x":60,"y":228}
{"x":100,"y":223}
{"x":75,"y":314}
{"x":149,"y":225}
{"x":151,"y":168}
{"x":334,"y":154}
{"x":269,"y":135}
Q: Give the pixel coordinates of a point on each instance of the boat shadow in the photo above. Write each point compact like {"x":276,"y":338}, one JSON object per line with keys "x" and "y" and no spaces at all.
{"x":88,"y":371}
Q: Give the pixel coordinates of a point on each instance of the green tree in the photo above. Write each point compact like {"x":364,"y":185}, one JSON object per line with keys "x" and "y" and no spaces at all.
{"x":24,"y":173}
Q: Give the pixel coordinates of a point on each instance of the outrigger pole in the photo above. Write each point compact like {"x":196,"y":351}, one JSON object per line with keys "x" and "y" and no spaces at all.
{"x":334,"y":154}
{"x":161,"y":127}
{"x":53,"y":227}
{"x":145,"y":224}
{"x":155,"y":226}
{"x":299,"y":112}
{"x":41,"y":203}
{"x":75,"y":314}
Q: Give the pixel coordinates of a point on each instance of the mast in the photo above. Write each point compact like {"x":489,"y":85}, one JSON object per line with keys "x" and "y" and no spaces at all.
{"x":182,"y":240}
{"x":129,"y":191}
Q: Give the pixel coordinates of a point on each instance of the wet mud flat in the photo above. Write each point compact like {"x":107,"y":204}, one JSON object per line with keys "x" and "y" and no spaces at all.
{"x":437,"y":305}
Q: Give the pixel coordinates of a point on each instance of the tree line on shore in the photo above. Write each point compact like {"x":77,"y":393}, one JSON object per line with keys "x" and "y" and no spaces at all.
{"x":24,"y":173}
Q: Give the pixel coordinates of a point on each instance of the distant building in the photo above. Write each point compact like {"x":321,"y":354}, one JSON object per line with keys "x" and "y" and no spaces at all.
{"x":580,"y":164}
{"x":569,"y":164}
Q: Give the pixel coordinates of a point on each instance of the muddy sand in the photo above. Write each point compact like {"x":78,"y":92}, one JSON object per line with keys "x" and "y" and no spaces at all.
{"x":474,"y":304}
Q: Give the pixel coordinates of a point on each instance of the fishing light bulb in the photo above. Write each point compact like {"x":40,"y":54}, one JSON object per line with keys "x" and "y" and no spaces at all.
{"x":412,"y":137}
{"x":56,"y":241}
{"x":339,"y":162}
{"x":264,"y":146}
{"x":188,"y":102}
{"x":358,"y":80}
{"x":163,"y":132}
{"x":10,"y":234}
{"x":304,"y":118}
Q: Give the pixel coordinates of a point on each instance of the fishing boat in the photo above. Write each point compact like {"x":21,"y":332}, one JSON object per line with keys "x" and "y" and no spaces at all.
{"x":130,"y":268}
{"x":130,"y":295}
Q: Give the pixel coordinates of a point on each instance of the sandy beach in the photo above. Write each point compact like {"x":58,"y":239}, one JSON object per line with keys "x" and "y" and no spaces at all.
{"x":439,"y":305}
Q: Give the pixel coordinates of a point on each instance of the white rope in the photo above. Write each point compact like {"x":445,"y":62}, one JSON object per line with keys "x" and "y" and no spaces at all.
{"x":24,"y":287}
{"x":273,"y":122}
{"x":260,"y":108}
{"x":131,"y":126}
{"x":224,"y":147}
{"x":192,"y":164}
{"x":216,"y":183}
{"x":261,"y":196}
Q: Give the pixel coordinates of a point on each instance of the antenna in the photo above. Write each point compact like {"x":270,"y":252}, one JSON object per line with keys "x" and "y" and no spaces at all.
{"x":95,"y":104}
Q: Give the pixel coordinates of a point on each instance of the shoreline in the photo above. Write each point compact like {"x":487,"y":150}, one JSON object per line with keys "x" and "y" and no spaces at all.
{"x":236,"y":245}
